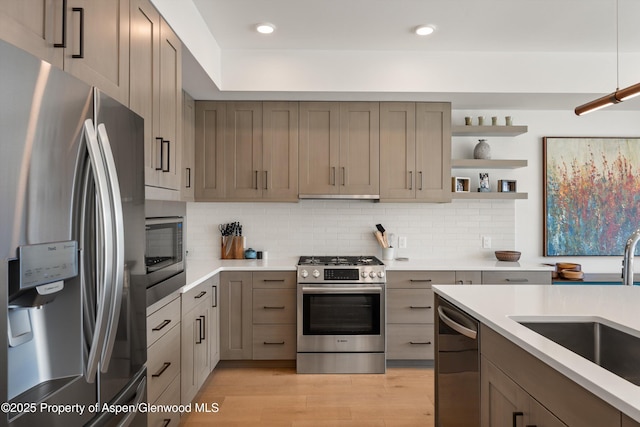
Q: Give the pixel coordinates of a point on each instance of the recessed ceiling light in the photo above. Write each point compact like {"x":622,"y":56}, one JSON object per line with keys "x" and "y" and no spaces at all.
{"x":424,"y":30}
{"x":265,"y":28}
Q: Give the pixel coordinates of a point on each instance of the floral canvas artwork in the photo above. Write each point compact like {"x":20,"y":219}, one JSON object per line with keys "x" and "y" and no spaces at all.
{"x":591,"y":195}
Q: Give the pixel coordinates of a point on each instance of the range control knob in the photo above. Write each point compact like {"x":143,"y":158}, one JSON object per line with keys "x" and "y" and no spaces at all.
{"x":304,"y":274}
{"x":381,"y":274}
{"x":372,"y":274}
{"x":316,"y":273}
{"x":364,"y":274}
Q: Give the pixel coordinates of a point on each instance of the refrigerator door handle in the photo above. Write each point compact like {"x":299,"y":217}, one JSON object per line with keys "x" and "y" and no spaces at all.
{"x":102,"y":315}
{"x":118,"y":247}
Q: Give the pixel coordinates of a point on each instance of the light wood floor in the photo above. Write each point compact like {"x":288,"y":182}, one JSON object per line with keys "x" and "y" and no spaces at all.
{"x":269,"y":397}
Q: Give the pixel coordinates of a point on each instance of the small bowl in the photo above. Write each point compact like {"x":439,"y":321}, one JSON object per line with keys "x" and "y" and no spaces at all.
{"x":511,"y":256}
{"x":568,"y":266}
{"x":572,"y":275}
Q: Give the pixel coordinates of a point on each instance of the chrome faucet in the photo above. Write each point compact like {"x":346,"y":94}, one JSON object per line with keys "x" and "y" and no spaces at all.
{"x":627,"y":262}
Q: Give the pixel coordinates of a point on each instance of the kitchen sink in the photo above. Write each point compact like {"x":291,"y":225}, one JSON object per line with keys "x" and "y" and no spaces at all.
{"x":611,"y":348}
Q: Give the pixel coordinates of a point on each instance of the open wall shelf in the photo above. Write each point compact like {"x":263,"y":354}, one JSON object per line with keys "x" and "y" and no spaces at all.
{"x":488,"y":130}
{"x":487,"y":164}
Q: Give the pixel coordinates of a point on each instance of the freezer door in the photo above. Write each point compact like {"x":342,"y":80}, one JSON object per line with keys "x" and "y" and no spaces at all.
{"x":130,"y":397}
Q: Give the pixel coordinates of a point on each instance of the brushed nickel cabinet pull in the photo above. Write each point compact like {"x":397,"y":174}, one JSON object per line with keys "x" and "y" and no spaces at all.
{"x":273,"y":343}
{"x":200,"y":295}
{"x":344,"y":176}
{"x":420,"y":342}
{"x":267,"y":307}
{"x":420,"y":306}
{"x":420,"y":280}
{"x":421,"y":184}
{"x":266,"y":182}
{"x":410,"y":180}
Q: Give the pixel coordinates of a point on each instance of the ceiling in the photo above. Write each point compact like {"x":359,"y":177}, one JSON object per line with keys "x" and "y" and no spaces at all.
{"x":496,"y":26}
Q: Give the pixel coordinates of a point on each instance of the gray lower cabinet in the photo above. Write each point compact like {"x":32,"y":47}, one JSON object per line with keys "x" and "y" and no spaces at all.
{"x":163,"y":361}
{"x":258,"y":315}
{"x":514,"y":381}
{"x":195,"y":347}
{"x":274,"y":316}
{"x":236,"y":341}
{"x":516,"y":277}
{"x":468,"y":277}
{"x":410,"y":313}
{"x":214,"y":321}
{"x":504,"y":402}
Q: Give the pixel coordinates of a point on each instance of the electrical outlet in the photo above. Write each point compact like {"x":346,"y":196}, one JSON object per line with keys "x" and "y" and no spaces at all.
{"x":402,"y":242}
{"x":486,"y":242}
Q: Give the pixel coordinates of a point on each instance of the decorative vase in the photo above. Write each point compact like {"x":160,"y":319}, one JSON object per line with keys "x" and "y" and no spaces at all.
{"x":482,"y":150}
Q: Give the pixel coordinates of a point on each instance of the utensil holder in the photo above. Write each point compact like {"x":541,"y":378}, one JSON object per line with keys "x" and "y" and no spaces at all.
{"x":232,"y":247}
{"x":388,"y":253}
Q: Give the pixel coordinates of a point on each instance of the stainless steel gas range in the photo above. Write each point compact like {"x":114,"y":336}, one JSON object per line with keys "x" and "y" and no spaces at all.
{"x":341,"y":315}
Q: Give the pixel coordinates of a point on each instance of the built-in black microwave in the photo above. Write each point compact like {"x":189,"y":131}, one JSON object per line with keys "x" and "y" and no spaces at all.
{"x":164,"y":256}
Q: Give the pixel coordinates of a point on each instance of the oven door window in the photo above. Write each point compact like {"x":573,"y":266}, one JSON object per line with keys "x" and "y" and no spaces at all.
{"x":164,"y":245}
{"x":341,"y":314}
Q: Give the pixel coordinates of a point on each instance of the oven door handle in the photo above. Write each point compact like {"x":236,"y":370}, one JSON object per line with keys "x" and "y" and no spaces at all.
{"x":349,"y":290}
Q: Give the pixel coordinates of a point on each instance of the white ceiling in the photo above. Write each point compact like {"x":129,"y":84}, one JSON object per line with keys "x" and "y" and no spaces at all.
{"x":367,"y":26}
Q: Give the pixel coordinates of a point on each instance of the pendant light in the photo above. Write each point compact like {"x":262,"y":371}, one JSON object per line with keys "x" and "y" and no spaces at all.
{"x":620,"y":94}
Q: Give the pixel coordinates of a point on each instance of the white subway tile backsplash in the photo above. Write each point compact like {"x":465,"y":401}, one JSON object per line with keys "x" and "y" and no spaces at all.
{"x":322,"y":227}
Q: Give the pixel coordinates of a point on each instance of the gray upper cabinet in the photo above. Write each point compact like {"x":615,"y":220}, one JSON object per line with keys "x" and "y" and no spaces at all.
{"x":156,"y":93}
{"x":261,"y":151}
{"x":280,"y":151}
{"x":243,"y":150}
{"x":339,"y":148}
{"x":35,"y":26}
{"x":188,"y":147}
{"x":209,"y":157}
{"x":246,"y":151}
{"x":89,"y":39}
{"x":415,"y":147}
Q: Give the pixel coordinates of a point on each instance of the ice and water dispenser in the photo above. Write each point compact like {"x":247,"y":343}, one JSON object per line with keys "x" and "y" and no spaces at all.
{"x":36,"y":277}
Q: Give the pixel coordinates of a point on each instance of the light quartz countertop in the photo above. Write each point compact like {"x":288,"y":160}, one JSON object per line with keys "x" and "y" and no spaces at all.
{"x":499,"y":306}
{"x":199,"y":271}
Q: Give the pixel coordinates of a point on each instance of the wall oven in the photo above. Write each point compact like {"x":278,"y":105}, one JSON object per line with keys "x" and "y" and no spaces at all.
{"x":164,"y":256}
{"x":341,"y":315}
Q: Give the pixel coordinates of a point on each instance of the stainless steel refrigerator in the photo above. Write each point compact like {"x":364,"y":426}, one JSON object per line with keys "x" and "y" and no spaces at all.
{"x":72,"y":241}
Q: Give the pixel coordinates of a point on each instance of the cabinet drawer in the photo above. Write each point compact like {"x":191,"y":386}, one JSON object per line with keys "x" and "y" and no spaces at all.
{"x":419,"y":279}
{"x":410,"y":342}
{"x":274,"y":306}
{"x":271,"y":279}
{"x":516,"y":277}
{"x":171,"y":396}
{"x":409,"y":306}
{"x":161,"y":321}
{"x":194,"y":296}
{"x":274,"y":342}
{"x":163,"y":363}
